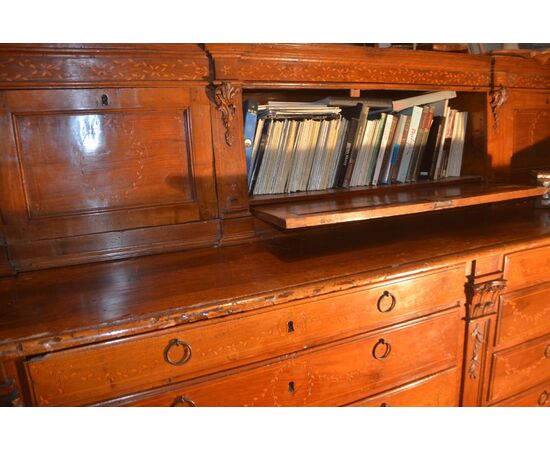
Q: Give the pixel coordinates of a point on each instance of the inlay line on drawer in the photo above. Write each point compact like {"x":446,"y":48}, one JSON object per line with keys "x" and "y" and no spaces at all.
{"x":329,"y":375}
{"x":439,"y":389}
{"x":518,"y":368}
{"x":110,"y":369}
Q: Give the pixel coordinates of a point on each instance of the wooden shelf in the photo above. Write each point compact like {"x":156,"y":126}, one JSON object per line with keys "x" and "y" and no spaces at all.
{"x":374,"y":204}
{"x":263,"y":199}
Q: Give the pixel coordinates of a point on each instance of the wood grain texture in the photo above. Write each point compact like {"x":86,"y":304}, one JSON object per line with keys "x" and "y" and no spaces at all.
{"x":367,"y":206}
{"x":345,"y":64}
{"x":534,"y":397}
{"x":122,"y":298}
{"x":330,"y":376}
{"x":518,"y":368}
{"x":64,"y":64}
{"x":434,"y":390}
{"x":527,"y":268}
{"x":523,"y":315}
{"x":106,"y":370}
{"x":81,"y":165}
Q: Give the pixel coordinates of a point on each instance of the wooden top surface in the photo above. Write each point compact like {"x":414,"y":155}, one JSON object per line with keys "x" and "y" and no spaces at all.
{"x":375,"y":205}
{"x":57,"y":308}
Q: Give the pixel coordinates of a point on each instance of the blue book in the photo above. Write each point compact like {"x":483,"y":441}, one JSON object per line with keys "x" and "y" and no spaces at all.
{"x":250,"y":119}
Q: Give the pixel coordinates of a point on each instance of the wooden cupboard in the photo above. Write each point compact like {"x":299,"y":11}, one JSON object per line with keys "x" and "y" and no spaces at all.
{"x":135,"y":269}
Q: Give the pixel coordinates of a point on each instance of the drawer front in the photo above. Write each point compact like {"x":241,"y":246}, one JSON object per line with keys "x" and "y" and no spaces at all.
{"x":440,"y":389}
{"x":538,"y":396}
{"x":330,"y":376}
{"x":108,"y":370}
{"x":519,"y":368}
{"x":523,"y":315}
{"x":527,"y":268}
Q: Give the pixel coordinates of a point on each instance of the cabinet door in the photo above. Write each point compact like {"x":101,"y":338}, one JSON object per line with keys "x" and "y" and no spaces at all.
{"x":82,"y":167}
{"x":522,"y":134}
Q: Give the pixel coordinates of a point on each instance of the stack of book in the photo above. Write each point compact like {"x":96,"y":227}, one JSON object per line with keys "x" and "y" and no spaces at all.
{"x":345,"y":142}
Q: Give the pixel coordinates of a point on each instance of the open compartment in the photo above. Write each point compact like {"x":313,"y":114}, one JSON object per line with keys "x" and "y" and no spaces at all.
{"x":364,"y":197}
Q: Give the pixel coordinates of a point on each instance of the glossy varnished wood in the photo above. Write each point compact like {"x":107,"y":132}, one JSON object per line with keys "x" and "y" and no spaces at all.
{"x":523,"y":315}
{"x":534,"y":397}
{"x":306,"y":64}
{"x":85,"y":163}
{"x":329,"y":376}
{"x":155,"y":292}
{"x":107,"y":370}
{"x":434,"y":390}
{"x":527,"y":268}
{"x":366,"y":205}
{"x":518,"y":368}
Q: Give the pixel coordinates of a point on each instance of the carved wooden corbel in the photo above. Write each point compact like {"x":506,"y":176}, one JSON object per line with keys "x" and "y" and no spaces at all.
{"x":483,"y":298}
{"x":223,"y":96}
{"x":499,"y":96}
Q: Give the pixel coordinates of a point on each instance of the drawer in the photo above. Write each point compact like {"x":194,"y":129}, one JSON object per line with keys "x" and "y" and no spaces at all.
{"x":331,"y":375}
{"x":523,"y":315}
{"x":440,"y":389}
{"x":538,"y":396}
{"x":107,"y":370}
{"x":519,"y":368}
{"x":527,"y":268}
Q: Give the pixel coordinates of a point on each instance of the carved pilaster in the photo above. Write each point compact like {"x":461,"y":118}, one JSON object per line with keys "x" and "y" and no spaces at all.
{"x":499,"y":96}
{"x":481,"y":309}
{"x":223,"y":96}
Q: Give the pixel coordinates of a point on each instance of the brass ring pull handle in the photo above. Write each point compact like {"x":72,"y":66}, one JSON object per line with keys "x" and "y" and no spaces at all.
{"x":184,"y":358}
{"x":381,"y":299}
{"x":184,"y":401}
{"x":543,"y":398}
{"x":547,"y":351}
{"x":387,"y":350}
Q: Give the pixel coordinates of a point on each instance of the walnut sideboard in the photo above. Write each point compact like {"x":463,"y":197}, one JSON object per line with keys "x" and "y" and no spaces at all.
{"x":136,"y":269}
{"x":296,"y":321}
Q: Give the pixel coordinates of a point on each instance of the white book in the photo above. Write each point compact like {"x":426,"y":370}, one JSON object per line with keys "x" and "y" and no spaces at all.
{"x":299,"y":154}
{"x":271,"y":144}
{"x":384,"y":148}
{"x":288,"y":153}
{"x":360,"y":160}
{"x":332,"y":140}
{"x":394,"y":148}
{"x":278,"y":156}
{"x":320,"y":147}
{"x":309,"y":154}
{"x":409,"y":145}
{"x":373,"y":151}
{"x":457,"y":146}
{"x":431,"y":97}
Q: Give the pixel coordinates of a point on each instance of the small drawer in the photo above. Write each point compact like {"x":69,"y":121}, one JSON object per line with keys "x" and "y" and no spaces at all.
{"x":111,"y":369}
{"x":440,"y":389}
{"x":523,"y":315}
{"x":527,"y":268}
{"x":517,"y":369}
{"x":331,"y":375}
{"x":538,"y":396}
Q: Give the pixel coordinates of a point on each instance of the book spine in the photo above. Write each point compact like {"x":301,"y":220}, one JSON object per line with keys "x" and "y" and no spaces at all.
{"x":397,"y":163}
{"x":384,"y":169}
{"x":423,"y":143}
{"x":251,"y":117}
{"x":429,"y":152}
{"x":409,"y":145}
{"x":352,"y":128}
